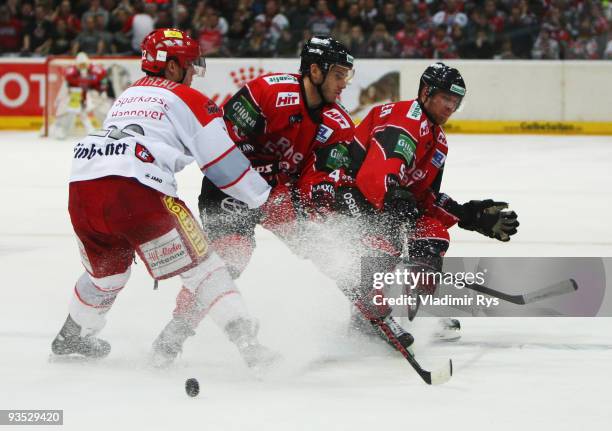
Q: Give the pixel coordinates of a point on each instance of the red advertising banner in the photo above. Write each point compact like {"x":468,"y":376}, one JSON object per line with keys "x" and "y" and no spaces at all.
{"x":22,"y":92}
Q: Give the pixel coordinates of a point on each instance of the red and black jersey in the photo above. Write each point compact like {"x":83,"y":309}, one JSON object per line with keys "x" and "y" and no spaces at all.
{"x":400,"y":146}
{"x":269,"y":120}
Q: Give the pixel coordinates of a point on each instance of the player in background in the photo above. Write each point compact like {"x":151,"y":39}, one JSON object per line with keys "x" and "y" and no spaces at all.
{"x":400,"y":151}
{"x":285,"y":124}
{"x":123,"y":200}
{"x":84,"y":93}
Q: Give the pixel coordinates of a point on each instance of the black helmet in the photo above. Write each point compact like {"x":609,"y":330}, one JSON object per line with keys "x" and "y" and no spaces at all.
{"x":439,"y":76}
{"x":324,"y":51}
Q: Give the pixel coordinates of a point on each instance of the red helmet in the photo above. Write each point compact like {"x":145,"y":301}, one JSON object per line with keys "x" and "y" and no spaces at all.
{"x":164,"y":44}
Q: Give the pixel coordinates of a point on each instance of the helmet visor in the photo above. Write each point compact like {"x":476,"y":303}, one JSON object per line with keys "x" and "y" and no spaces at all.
{"x":342,"y":73}
{"x":199,"y":66}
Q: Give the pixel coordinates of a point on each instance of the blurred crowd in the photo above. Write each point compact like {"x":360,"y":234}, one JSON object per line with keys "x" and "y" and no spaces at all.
{"x":444,"y":29}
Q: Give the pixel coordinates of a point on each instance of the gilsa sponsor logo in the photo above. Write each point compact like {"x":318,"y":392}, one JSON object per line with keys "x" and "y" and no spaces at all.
{"x":280,"y":79}
{"x":335,"y":115}
{"x":287,"y":99}
{"x":110,"y":149}
{"x":415,"y":111}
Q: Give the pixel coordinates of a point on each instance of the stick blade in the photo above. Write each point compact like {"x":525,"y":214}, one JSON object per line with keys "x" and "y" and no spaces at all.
{"x":441,"y":375}
{"x":561,"y":288}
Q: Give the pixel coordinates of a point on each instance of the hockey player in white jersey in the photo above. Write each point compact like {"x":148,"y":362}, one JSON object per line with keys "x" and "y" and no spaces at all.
{"x":123,"y":200}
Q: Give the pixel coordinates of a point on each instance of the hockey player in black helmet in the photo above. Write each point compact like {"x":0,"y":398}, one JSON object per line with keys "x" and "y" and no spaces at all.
{"x":439,"y":77}
{"x":322,"y":57}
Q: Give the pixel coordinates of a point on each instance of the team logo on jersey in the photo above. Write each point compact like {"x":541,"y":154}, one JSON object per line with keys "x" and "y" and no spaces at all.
{"x":438,"y":159}
{"x":287,"y":99}
{"x":143,"y":154}
{"x":424,"y":128}
{"x":405,"y":147}
{"x":280,"y":79}
{"x":324,"y":133}
{"x":338,"y":157}
{"x":386,"y":110}
{"x":335,"y":115}
{"x":442,"y":139}
{"x":295,"y":118}
{"x":415,"y":111}
{"x":212,"y":108}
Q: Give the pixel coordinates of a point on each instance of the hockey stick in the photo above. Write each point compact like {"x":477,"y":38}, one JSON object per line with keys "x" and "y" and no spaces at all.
{"x":436,"y":377}
{"x":560,"y":288}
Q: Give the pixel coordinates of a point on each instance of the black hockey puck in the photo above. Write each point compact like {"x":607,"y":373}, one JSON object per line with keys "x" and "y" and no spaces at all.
{"x":192,"y":387}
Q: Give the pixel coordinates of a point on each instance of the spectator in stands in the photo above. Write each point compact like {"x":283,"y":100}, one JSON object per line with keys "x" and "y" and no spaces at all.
{"x":323,"y":21}
{"x":183,"y":20}
{"x":11,"y":30}
{"x":481,"y":47}
{"x":299,"y":15}
{"x":506,"y":52}
{"x":105,"y":37}
{"x":409,"y":44}
{"x":142,"y":24}
{"x":354,"y":16}
{"x":64,"y":12}
{"x":258,"y":42}
{"x":120,"y":26}
{"x":274,"y":21}
{"x":286,"y":45}
{"x":450,"y":15}
{"x":545,"y":47}
{"x":381,"y":44}
{"x":519,"y":29}
{"x":585,"y":46}
{"x":608,"y":51}
{"x":342,"y":32}
{"x":494,"y":16}
{"x":37,"y":35}
{"x":357,"y":46}
{"x":61,"y":40}
{"x":369,"y":14}
{"x":87,"y":40}
{"x":442,"y":44}
{"x":94,"y":10}
{"x":389,"y":18}
{"x":210,"y":36}
{"x":340,"y":9}
{"x":408,"y":12}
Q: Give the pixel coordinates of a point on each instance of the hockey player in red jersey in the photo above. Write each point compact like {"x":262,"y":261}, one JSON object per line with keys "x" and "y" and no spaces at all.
{"x":123,"y":201}
{"x":403,"y":150}
{"x":286,"y":124}
{"x":85,"y":92}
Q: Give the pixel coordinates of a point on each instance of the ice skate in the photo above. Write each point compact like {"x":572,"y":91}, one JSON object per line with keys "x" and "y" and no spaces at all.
{"x":169,"y":343}
{"x":243,"y":333}
{"x":448,"y":330}
{"x":70,"y":342}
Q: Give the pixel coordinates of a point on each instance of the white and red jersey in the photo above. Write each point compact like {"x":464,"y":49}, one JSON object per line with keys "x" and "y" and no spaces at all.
{"x":157,"y":127}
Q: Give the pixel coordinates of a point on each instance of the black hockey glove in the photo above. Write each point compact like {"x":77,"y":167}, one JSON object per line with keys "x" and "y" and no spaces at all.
{"x":400,"y":205}
{"x":489,"y":218}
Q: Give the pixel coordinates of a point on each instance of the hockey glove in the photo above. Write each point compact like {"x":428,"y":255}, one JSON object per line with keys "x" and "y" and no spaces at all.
{"x":400,"y":205}
{"x":489,"y":218}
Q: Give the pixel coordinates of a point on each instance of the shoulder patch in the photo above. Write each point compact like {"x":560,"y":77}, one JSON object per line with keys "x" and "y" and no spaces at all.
{"x":424,"y":130}
{"x":335,"y":115}
{"x":438,"y":159}
{"x":386,"y":109}
{"x":280,"y":79}
{"x":323,"y":133}
{"x":442,"y":138}
{"x":415,"y":111}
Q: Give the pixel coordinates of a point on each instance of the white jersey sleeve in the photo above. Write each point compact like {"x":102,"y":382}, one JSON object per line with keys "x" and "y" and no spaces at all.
{"x":157,"y":127}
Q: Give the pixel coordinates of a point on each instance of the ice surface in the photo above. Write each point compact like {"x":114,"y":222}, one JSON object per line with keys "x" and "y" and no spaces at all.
{"x":542,"y":374}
